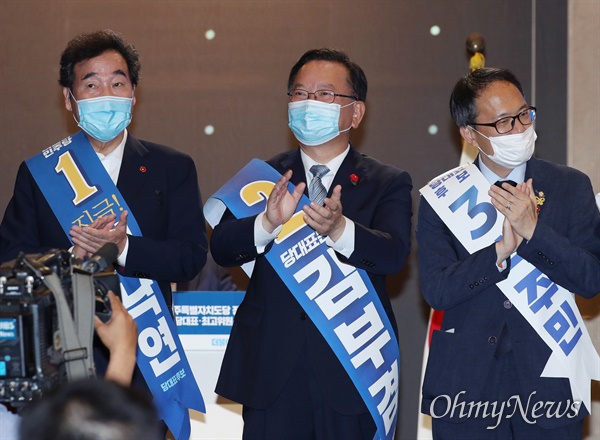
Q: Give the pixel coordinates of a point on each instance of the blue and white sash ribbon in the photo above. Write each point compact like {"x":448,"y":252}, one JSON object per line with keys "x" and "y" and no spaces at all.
{"x":338,"y":298}
{"x":79,"y":190}
{"x":460,"y":197}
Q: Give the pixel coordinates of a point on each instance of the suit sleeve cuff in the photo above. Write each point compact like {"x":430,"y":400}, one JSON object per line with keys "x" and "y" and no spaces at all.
{"x":345,"y":244}
{"x":122,"y":259}
{"x":502,"y":266}
{"x":261,"y":237}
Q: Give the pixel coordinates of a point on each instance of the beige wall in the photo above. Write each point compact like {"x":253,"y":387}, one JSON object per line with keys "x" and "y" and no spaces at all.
{"x":583,"y":150}
{"x":583,"y":146}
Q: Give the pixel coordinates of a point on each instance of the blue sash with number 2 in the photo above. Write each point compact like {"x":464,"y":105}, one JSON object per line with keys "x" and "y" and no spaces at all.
{"x":339,"y":298}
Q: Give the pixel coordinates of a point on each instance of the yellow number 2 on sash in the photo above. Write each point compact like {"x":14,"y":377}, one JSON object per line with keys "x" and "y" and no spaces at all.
{"x":68,"y":167}
{"x":255,"y":192}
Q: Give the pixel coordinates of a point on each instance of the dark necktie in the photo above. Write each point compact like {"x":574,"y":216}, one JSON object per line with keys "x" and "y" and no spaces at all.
{"x":316,"y":189}
{"x":500,"y":182}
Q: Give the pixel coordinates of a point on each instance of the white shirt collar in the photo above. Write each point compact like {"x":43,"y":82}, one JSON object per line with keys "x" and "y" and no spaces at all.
{"x":517,"y":174}
{"x":112,"y":161}
{"x":333,"y":165}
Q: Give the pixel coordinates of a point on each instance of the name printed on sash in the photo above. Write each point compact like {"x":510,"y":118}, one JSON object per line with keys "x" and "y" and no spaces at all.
{"x":152,"y":340}
{"x":561,"y":322}
{"x":363,"y":336}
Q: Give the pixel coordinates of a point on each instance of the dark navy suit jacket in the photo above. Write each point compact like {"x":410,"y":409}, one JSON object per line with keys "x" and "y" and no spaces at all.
{"x":565,"y":246}
{"x":160,"y":186}
{"x":270,"y":328}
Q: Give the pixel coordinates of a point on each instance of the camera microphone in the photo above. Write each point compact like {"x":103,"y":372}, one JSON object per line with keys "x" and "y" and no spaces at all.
{"x":105,"y":256}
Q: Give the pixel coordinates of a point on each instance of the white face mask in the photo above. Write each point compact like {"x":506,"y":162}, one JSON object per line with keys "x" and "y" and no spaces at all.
{"x":104,"y":117}
{"x":512,"y":150}
{"x":314,"y":122}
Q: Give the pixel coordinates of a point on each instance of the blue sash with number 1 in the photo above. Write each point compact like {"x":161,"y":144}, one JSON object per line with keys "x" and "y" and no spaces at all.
{"x":79,"y":190}
{"x":339,"y":299}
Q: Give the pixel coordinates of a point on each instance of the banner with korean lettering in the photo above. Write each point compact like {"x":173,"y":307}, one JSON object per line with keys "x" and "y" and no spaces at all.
{"x":79,"y":190}
{"x":339,"y":298}
{"x":207,"y":315}
{"x":460,"y":197}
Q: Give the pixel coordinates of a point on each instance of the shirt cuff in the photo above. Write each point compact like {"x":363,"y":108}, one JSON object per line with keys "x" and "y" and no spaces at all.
{"x":502,"y":266}
{"x":123,"y":257}
{"x":345,"y":244}
{"x":261,"y":237}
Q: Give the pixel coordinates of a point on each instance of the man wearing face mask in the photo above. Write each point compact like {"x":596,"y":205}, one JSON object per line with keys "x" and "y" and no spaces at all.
{"x":99,"y":73}
{"x":277,"y":363}
{"x":486,"y":350}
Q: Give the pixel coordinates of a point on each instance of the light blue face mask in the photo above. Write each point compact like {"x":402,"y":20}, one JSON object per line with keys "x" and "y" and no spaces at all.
{"x":105,"y":117}
{"x":314,"y":122}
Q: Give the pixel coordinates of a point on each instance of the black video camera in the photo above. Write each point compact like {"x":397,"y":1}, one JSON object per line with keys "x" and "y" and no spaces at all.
{"x":32,"y":355}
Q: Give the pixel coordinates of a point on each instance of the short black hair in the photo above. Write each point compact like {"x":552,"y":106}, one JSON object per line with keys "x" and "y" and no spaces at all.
{"x":87,"y":46}
{"x":356,"y":77}
{"x":471,"y":86}
{"x":90,"y":409}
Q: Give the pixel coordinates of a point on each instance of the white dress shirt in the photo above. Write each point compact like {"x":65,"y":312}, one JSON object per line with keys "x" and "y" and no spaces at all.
{"x":517,"y":175}
{"x":112,"y":164}
{"x":345,"y":244}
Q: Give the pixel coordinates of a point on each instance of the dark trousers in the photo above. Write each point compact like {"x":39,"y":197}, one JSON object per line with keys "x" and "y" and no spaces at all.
{"x":514,"y":430}
{"x":301,"y":412}
{"x":503,"y":384}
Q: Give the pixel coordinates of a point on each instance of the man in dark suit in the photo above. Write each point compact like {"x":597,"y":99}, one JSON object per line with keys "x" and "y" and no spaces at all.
{"x":486,"y":349}
{"x":159,"y":184}
{"x":99,"y":73}
{"x":277,"y":363}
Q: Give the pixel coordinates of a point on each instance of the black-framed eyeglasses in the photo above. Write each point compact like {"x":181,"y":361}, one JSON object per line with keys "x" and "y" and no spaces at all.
{"x":506,"y":124}
{"x":327,"y":96}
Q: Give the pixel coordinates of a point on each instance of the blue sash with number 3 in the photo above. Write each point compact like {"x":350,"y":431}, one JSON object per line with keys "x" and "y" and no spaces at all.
{"x":460,"y":197}
{"x":79,"y":190}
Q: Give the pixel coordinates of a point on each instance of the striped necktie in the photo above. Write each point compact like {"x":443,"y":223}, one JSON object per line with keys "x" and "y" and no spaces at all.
{"x":316,"y":189}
